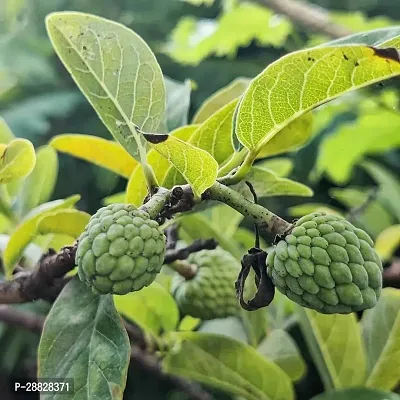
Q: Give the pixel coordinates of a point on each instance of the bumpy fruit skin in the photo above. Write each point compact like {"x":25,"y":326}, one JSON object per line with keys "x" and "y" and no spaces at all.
{"x":327,"y":264}
{"x":211,"y":292}
{"x":121,"y":250}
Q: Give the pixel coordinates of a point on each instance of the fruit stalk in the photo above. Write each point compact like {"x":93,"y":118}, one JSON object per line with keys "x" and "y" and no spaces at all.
{"x":261,"y":216}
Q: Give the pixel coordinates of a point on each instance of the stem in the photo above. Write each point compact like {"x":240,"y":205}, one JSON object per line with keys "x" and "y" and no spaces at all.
{"x":188,"y":271}
{"x":235,"y":160}
{"x":264,"y":218}
{"x":157,"y":202}
{"x":243,"y":170}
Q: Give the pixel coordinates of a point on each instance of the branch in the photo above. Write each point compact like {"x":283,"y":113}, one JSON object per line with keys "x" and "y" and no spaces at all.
{"x":308,"y":15}
{"x":182,"y":254}
{"x":35,"y":323}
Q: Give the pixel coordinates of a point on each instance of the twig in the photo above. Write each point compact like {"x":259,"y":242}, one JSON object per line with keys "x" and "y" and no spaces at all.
{"x":182,"y":254}
{"x":310,"y":16}
{"x":35,"y":323}
{"x":172,"y":236}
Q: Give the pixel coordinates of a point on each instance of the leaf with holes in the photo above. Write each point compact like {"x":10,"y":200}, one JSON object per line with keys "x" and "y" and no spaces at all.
{"x":220,"y":98}
{"x":381,"y":329}
{"x":165,"y":173}
{"x":197,"y":166}
{"x":98,"y":151}
{"x":226,"y":364}
{"x":153,"y":308}
{"x":300,"y":81}
{"x":116,"y":71}
{"x":336,"y":347}
{"x":84,"y":339}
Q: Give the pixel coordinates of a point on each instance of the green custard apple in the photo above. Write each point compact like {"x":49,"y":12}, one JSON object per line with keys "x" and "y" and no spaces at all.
{"x":327,"y":264}
{"x":121,"y":250}
{"x":211,"y":292}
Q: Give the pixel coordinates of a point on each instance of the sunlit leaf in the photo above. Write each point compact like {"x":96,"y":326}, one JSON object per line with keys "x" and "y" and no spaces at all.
{"x":188,"y":323}
{"x":381,"y":329}
{"x":26,"y":230}
{"x":336,"y":347}
{"x":280,"y":348}
{"x":356,"y":139}
{"x":281,"y":166}
{"x":6,"y":135}
{"x":53,"y":241}
{"x":104,"y":153}
{"x":152,"y":308}
{"x":69,"y":222}
{"x":116,"y":71}
{"x":197,"y":166}
{"x":387,"y":242}
{"x":357,"y":393}
{"x":214,"y":135}
{"x":178,"y":102}
{"x":39,"y":185}
{"x":290,"y":138}
{"x":165,"y":173}
{"x":17,"y":160}
{"x":114,"y":198}
{"x":279,"y":95}
{"x":84,"y":339}
{"x":194,"y":40}
{"x":228,"y":365}
{"x":220,"y":99}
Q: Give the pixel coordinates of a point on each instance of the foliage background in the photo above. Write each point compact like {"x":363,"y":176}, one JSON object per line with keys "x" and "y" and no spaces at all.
{"x":42,"y":101}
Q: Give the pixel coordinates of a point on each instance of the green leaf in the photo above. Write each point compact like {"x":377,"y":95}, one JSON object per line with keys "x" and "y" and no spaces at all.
{"x":220,"y":99}
{"x":387,"y":242}
{"x":116,"y":71}
{"x":281,"y":166}
{"x":388,"y":183}
{"x":357,"y":393}
{"x":194,"y":40}
{"x":354,"y":140}
{"x":381,"y":329}
{"x":114,"y":198}
{"x":6,"y":135}
{"x":226,"y":364}
{"x":17,"y":160}
{"x":39,"y":185}
{"x":189,"y":323}
{"x":280,"y":348}
{"x":267,"y":184}
{"x":98,"y":151}
{"x":280,"y":94}
{"x":84,"y":339}
{"x":26,"y":231}
{"x":31,"y":253}
{"x":308,"y":208}
{"x":197,"y":166}
{"x":290,"y":138}
{"x":166,"y":175}
{"x":336,"y":347}
{"x":152,"y":308}
{"x":255,"y":323}
{"x":178,"y":102}
{"x":68,"y":222}
{"x":197,"y":226}
{"x":214,"y":135}
{"x":226,"y":219}
{"x":358,"y":21}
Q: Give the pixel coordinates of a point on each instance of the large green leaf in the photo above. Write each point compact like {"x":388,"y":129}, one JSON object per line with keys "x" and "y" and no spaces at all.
{"x":389,"y":185}
{"x":84,"y":339}
{"x":300,"y":81}
{"x":178,"y":103}
{"x":194,"y":40}
{"x":381,"y":329}
{"x":280,"y":348}
{"x":214,"y":134}
{"x":357,"y":394}
{"x":197,"y":166}
{"x":226,"y":364}
{"x":336,"y":347}
{"x":356,"y":139}
{"x":153,"y":308}
{"x":39,"y":185}
{"x":115,"y":70}
{"x":220,"y":98}
{"x":25,"y":232}
{"x":387,"y":242}
{"x":230,"y":327}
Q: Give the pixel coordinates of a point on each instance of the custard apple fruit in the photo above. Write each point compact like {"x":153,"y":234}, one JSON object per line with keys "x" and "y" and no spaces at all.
{"x":327,"y":264}
{"x":211,"y":292}
{"x":121,"y":250}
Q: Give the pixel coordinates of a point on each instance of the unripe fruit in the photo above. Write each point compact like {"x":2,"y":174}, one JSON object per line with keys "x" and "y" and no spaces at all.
{"x":211,"y":292}
{"x":327,"y":264}
{"x":121,"y":250}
